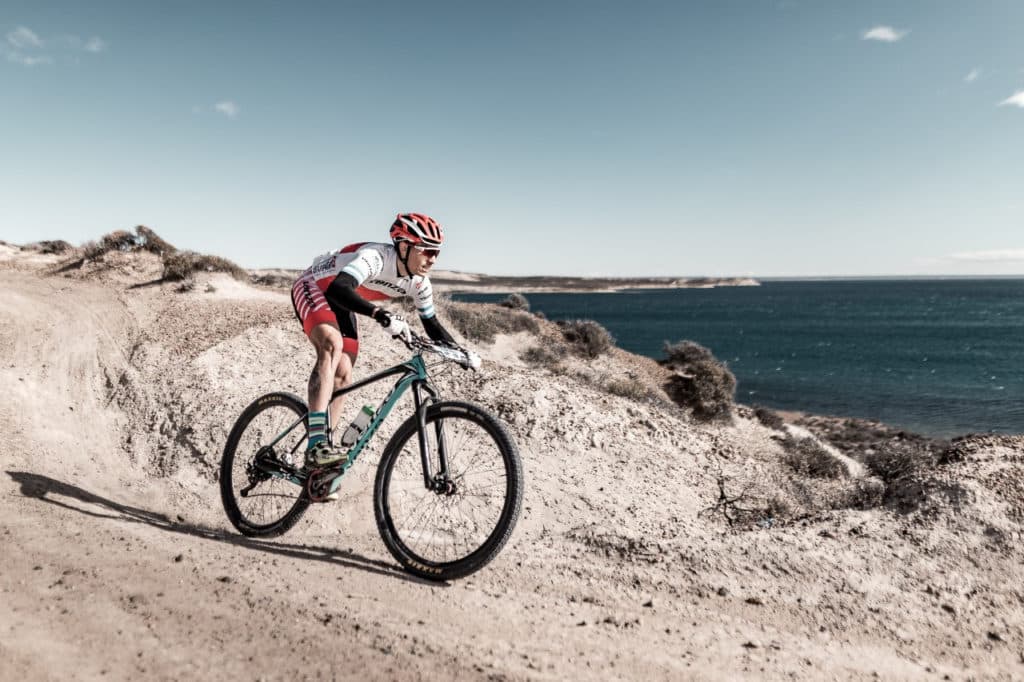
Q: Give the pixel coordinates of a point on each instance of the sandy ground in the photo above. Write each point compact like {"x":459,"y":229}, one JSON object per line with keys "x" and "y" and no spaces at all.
{"x":117,"y":561}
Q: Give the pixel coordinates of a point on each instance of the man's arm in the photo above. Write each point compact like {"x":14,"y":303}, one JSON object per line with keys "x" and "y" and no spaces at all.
{"x":436,"y":331}
{"x":342,"y":293}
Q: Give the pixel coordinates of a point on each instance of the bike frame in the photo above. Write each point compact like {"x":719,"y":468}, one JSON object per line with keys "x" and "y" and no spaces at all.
{"x":412,"y":374}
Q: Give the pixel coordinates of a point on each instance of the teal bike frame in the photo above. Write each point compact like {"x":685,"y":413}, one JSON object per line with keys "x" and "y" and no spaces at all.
{"x":413,"y":374}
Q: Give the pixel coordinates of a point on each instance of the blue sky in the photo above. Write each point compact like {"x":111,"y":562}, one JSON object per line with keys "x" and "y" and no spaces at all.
{"x":775,"y":138}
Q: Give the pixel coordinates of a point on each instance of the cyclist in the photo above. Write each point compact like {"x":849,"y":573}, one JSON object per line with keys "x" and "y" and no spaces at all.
{"x":337,"y":286}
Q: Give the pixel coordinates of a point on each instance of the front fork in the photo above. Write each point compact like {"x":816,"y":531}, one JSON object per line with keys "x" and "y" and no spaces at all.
{"x":424,"y":395}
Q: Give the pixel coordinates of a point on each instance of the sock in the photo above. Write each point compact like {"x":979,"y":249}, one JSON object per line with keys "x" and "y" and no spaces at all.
{"x":317,"y":428}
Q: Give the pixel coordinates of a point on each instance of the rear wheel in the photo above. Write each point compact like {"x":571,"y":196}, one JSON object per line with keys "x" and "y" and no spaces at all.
{"x":259,"y":499}
{"x":459,"y":522}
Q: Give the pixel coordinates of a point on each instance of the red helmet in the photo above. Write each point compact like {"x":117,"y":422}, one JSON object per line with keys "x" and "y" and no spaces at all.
{"x":418,"y":229}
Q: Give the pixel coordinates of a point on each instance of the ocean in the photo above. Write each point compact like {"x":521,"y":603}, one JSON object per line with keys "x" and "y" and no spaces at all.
{"x":937,"y":357}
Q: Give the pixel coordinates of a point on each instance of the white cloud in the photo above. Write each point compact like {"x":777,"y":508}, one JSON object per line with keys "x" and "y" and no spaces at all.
{"x":885,"y":34}
{"x":972,"y":76}
{"x":25,"y":60}
{"x":23,"y":37}
{"x":95,"y":44}
{"x":996,"y":256}
{"x":1016,"y":99}
{"x":227,"y":107}
{"x":23,"y":47}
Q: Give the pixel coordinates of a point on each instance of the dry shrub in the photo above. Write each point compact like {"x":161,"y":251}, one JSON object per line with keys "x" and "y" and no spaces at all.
{"x":587,"y":337}
{"x":118,"y":240}
{"x":516,"y":302}
{"x":50,"y":246}
{"x":699,"y":382}
{"x":686,"y":353}
{"x":148,"y":240}
{"x":183,"y":264}
{"x":482,"y":321}
{"x":808,"y":457}
{"x":894,"y":462}
{"x":627,"y":387}
{"x":276,"y":281}
{"x":543,"y":356}
{"x":911,"y":478}
{"x":769,"y":418}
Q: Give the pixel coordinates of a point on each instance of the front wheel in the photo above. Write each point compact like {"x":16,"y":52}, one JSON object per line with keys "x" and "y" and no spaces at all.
{"x":263,"y":446}
{"x":454,"y":524}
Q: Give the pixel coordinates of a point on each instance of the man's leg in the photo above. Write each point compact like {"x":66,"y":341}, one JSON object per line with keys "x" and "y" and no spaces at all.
{"x":332,"y":367}
{"x":342,"y":378}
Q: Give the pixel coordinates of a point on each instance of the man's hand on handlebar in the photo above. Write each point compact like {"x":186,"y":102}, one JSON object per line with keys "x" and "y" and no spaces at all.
{"x":394,"y":324}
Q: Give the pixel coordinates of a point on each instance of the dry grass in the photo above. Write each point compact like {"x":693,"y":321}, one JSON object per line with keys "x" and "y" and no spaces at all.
{"x":544,"y":356}
{"x":808,"y":457}
{"x":185,"y":264}
{"x":769,"y":418}
{"x":484,"y":321}
{"x":178,"y":265}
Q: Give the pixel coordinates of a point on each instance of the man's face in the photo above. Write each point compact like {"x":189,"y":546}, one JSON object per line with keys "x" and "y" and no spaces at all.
{"x":421,"y":259}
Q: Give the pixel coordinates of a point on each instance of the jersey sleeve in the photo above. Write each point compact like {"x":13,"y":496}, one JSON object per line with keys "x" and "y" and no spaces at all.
{"x":368,"y":262}
{"x":423,"y":294}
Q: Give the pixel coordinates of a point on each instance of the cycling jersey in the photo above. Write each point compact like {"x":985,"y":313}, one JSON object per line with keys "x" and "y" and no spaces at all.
{"x":374,"y":267}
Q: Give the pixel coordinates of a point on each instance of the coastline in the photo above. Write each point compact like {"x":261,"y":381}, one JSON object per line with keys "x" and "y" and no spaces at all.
{"x":456,"y":282}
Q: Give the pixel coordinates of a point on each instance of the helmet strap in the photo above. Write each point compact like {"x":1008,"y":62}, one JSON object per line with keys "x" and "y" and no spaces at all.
{"x":404,"y":260}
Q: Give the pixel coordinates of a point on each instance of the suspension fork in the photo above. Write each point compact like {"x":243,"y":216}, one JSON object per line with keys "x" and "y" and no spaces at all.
{"x":422,"y":402}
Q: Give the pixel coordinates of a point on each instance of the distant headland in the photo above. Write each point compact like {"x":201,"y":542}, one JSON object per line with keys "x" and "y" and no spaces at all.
{"x":477,"y":283}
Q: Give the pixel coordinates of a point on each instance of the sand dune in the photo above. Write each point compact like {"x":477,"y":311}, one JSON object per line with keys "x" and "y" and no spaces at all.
{"x":118,"y":561}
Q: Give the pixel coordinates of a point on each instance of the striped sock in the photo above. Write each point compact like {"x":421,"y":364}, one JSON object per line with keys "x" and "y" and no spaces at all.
{"x":317,"y":428}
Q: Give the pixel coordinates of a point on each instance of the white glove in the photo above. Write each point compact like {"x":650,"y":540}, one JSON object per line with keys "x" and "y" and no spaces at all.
{"x":399,"y":328}
{"x":473,"y":359}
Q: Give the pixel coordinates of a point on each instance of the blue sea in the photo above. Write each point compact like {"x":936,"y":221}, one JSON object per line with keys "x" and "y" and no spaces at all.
{"x":938,"y":357}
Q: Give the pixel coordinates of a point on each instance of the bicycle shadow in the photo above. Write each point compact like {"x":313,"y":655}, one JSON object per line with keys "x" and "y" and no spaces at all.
{"x":47,"y":489}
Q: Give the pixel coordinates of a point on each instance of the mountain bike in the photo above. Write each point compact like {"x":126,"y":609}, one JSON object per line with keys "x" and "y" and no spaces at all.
{"x":448,"y":487}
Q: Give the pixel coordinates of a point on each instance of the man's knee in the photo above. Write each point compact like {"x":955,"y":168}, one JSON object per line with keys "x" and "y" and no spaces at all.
{"x":328,"y":342}
{"x":343,"y":375}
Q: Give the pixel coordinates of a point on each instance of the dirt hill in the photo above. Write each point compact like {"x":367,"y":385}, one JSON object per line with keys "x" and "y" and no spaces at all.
{"x":651,"y":545}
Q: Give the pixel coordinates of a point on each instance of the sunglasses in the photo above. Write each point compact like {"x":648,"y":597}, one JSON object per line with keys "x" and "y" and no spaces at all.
{"x":427,"y":250}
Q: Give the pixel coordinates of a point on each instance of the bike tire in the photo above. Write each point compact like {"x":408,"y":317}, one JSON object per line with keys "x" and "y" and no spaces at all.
{"x":486,"y":434}
{"x":262,"y":420}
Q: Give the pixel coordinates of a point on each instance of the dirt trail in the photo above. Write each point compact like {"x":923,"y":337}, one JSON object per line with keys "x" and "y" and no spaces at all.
{"x":117,"y":560}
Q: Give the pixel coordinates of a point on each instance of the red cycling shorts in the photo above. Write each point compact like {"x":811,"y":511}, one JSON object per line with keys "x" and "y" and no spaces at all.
{"x":313,"y":308}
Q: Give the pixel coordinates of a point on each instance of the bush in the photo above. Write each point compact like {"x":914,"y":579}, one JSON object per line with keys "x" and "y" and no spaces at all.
{"x":587,"y":337}
{"x":516,"y":302}
{"x":52,"y":246}
{"x":686,"y":353}
{"x":543,"y":356}
{"x":769,"y":418}
{"x":897,"y":461}
{"x":148,"y":240}
{"x":699,"y":382}
{"x":482,"y":321}
{"x":183,"y":264}
{"x":119,"y":240}
{"x":633,"y":389}
{"x":808,"y":457}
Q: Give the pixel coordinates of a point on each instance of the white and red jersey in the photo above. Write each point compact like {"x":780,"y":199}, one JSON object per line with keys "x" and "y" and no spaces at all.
{"x":374,"y":266}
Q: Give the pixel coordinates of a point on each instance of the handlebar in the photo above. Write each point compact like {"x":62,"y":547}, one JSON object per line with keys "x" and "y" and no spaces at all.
{"x":421,"y":344}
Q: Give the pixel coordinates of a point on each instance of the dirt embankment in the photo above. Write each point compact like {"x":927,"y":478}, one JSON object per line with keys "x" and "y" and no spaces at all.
{"x":650,"y":547}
